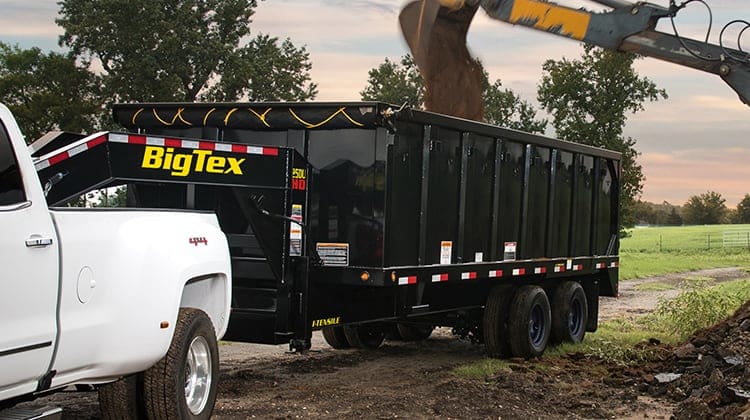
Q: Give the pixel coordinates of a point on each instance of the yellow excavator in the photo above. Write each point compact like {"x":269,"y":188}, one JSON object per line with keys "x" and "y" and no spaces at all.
{"x":435,"y":31}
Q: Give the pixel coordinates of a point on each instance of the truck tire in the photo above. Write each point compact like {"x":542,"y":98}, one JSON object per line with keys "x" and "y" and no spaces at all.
{"x":120,"y":399}
{"x":495,"y":321}
{"x":336,"y":338}
{"x":183,"y":384}
{"x":367,"y":336}
{"x":414,"y":332}
{"x":529,"y":322}
{"x":569,"y":313}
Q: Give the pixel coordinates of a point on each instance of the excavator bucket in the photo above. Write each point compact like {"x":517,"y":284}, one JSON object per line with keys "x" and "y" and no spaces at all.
{"x":435,"y":31}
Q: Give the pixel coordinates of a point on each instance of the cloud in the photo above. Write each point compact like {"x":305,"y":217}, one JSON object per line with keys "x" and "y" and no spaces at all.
{"x":677,"y":175}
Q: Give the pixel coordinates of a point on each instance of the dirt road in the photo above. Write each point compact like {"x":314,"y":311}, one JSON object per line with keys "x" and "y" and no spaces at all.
{"x":417,"y":380}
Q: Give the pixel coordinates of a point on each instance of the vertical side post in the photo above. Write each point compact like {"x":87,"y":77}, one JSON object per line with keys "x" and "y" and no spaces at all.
{"x":426,"y":148}
{"x":462,"y":187}
{"x":551,"y":202}
{"x":496,"y":191}
{"x":528,"y":161}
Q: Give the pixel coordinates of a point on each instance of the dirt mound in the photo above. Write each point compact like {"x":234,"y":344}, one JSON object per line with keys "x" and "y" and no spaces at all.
{"x":709,"y":376}
{"x":453,"y":78}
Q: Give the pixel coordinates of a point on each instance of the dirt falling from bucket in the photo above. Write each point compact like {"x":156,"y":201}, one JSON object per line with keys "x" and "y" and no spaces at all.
{"x":453,"y":78}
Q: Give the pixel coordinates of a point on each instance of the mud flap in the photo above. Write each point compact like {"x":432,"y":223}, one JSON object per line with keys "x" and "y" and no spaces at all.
{"x":591,"y":288}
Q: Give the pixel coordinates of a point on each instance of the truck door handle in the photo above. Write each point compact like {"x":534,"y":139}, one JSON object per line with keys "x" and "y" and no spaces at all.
{"x":38,"y":242}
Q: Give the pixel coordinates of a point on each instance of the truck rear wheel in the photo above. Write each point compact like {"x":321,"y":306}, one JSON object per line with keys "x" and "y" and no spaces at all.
{"x":414,"y":332}
{"x":120,"y":399}
{"x":529,"y":324}
{"x":335,"y":337}
{"x":367,"y":336}
{"x":569,"y":313}
{"x":183,"y":384}
{"x":495,"y":321}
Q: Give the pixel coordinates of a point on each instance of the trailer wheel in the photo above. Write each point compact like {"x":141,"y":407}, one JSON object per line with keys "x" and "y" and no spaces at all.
{"x":414,"y":332}
{"x":529,"y":322}
{"x":120,"y":399}
{"x":183,"y":384}
{"x":367,"y":336}
{"x":569,"y":313}
{"x":335,"y":337}
{"x":495,"y":321}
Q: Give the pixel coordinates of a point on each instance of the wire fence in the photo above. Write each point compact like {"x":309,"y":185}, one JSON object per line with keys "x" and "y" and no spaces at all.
{"x":689,"y":238}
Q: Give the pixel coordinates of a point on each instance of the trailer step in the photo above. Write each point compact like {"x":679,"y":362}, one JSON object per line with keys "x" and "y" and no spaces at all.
{"x":47,"y":413}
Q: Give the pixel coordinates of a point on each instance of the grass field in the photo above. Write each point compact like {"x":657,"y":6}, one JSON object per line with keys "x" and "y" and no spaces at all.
{"x":661,"y":250}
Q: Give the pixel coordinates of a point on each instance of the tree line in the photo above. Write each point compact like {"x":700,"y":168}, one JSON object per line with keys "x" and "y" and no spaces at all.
{"x":204,"y":50}
{"x":708,"y":208}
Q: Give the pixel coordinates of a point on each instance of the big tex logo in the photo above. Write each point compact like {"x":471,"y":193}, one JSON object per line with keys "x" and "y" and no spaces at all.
{"x":182,"y":164}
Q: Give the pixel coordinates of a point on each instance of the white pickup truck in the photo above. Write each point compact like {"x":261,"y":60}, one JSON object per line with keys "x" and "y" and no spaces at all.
{"x":132,"y":301}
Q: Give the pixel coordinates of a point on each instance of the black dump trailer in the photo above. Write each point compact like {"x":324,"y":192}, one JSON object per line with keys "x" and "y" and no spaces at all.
{"x":363,"y":220}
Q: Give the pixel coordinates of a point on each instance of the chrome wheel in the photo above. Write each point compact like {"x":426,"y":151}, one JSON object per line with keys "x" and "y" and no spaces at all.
{"x":198,"y":375}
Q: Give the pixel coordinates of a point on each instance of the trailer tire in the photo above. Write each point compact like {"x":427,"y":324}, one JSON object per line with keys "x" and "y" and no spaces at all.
{"x":183,"y":384}
{"x":529,"y":322}
{"x":495,"y":321}
{"x":366,"y":336}
{"x":414,"y":332}
{"x":569,"y":313}
{"x":121,"y":399}
{"x":335,"y":337}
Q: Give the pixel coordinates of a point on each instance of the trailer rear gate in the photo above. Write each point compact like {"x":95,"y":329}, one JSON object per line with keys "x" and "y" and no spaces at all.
{"x":407,"y":215}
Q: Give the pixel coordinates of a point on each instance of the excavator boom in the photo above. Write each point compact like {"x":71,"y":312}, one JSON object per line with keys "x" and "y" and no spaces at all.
{"x":627,"y":27}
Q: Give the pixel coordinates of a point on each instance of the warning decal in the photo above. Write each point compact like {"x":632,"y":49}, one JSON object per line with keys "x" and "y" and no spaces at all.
{"x":510,"y":251}
{"x":446,"y":251}
{"x":295,"y":232}
{"x":333,"y":254}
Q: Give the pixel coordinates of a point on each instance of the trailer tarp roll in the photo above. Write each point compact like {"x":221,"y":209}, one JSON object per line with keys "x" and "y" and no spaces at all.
{"x":251,"y":116}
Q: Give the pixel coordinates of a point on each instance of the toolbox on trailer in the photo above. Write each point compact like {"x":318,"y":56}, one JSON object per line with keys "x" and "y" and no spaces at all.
{"x":350,"y":213}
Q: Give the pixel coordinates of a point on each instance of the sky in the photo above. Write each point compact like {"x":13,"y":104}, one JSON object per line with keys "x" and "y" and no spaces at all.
{"x":695,"y":141}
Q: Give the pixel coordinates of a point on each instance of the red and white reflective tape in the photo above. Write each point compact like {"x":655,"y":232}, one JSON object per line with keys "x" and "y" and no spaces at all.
{"x":86,"y":144}
{"x":540,"y":270}
{"x":599,"y":266}
{"x":578,"y":267}
{"x":193,"y":144}
{"x":519,"y":271}
{"x":493,"y":274}
{"x":437,"y":278}
{"x":403,"y":281}
{"x":614,"y":264}
{"x":560,"y":268}
{"x":469,"y":276}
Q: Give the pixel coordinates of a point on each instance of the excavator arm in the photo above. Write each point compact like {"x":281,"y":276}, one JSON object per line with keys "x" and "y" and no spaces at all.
{"x":627,"y":27}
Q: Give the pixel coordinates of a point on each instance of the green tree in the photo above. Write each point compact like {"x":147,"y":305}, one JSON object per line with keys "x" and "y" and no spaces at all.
{"x":674,"y":219}
{"x":47,"y":91}
{"x":401,"y":83}
{"x":743,"y":210}
{"x":705,"y":209}
{"x":395,"y":83}
{"x":183,"y":50}
{"x":590,"y":100}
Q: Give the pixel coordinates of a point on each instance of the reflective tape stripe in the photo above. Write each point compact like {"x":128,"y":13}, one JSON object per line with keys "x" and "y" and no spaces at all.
{"x":519,"y":271}
{"x":469,"y":276}
{"x":540,"y":270}
{"x":495,"y":273}
{"x":402,"y":281}
{"x":436,"y":278}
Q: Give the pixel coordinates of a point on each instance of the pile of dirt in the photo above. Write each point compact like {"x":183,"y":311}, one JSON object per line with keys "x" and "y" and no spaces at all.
{"x":709,"y":375}
{"x":453,"y":79}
